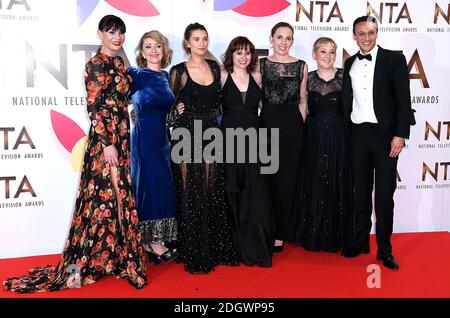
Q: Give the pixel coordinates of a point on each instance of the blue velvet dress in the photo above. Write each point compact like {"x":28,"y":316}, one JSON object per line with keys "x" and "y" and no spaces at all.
{"x":150,"y":155}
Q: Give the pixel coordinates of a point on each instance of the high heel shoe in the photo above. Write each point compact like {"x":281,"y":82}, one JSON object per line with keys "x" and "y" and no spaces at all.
{"x":278,"y":248}
{"x":165,"y":257}
{"x":169,"y":255}
{"x":153,"y":257}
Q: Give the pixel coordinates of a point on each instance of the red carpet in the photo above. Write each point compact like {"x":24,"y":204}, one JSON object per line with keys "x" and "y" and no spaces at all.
{"x":424,"y":260}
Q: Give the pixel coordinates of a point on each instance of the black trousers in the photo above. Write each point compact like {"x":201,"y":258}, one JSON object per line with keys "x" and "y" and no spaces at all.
{"x":370,"y":158}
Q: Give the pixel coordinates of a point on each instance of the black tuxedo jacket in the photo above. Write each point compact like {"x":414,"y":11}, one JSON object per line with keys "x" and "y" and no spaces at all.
{"x":391,"y":93}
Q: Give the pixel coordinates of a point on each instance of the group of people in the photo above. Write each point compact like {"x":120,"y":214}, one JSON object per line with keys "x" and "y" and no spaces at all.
{"x":336,"y":130}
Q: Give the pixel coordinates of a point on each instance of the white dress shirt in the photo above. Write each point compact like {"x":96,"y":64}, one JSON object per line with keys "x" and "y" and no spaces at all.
{"x":362,"y":73}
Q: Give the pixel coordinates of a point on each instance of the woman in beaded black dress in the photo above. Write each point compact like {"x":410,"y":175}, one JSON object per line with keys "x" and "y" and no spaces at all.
{"x":203,"y":225}
{"x":325,"y":218}
{"x":284,"y":108}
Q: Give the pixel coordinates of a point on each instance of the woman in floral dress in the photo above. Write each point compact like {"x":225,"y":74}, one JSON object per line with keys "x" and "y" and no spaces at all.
{"x":103,"y":238}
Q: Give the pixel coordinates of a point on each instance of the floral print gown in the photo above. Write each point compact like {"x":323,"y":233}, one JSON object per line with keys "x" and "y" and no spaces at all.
{"x":101,"y":240}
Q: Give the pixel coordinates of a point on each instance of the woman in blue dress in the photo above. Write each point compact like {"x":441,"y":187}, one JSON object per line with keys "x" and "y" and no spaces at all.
{"x":150,"y":149}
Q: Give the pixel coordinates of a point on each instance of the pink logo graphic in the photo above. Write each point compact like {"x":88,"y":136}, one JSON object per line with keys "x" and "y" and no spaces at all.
{"x":252,"y":8}
{"x":140,"y":8}
{"x":71,"y":137}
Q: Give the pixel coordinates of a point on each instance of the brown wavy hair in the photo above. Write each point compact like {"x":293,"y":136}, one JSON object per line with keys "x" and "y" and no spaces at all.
{"x":160,"y":39}
{"x":237,"y":44}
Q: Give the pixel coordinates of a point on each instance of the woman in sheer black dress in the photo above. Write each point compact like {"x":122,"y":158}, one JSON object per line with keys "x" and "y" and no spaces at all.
{"x":203,"y":225}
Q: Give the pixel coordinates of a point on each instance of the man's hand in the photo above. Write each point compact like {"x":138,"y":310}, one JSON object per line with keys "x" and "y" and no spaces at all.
{"x":397,"y":145}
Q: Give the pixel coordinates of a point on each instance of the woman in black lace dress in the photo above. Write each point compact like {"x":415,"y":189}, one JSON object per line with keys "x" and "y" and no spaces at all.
{"x":204,"y":228}
{"x":247,"y":190}
{"x":325,"y":214}
{"x":284,"y":107}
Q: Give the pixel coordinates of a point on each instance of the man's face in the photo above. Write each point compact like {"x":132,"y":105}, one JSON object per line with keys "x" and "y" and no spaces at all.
{"x":366,"y":36}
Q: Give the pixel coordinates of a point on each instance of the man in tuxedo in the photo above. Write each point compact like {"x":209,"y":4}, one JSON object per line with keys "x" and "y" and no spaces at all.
{"x":377,"y":107}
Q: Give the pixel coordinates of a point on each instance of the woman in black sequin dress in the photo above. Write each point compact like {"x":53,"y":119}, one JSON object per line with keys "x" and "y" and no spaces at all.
{"x":204,"y":229}
{"x":284,"y":107}
{"x":324,"y":220}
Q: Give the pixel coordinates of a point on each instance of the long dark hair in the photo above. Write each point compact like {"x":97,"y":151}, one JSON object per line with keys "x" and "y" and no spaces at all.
{"x":237,"y":44}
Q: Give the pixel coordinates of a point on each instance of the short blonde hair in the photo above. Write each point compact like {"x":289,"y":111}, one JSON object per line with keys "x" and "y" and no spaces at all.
{"x":322,"y":41}
{"x":160,"y":39}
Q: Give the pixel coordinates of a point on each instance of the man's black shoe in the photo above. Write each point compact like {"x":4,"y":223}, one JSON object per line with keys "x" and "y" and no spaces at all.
{"x":389,"y":261}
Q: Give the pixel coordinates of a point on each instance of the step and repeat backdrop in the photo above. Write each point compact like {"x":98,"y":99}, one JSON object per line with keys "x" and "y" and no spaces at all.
{"x":43,"y":122}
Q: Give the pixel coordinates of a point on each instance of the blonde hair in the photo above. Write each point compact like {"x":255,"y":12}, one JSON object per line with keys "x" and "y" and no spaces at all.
{"x":322,"y":41}
{"x":160,"y":39}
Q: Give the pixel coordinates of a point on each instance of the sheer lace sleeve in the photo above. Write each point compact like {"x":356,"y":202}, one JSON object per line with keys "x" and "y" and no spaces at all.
{"x":215,"y":67}
{"x":177,"y":80}
{"x":174,"y":80}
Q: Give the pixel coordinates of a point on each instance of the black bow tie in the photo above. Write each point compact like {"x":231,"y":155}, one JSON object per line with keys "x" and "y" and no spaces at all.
{"x":367,"y":57}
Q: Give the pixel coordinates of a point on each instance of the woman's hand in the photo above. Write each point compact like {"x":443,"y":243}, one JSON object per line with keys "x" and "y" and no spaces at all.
{"x":111,"y":155}
{"x":180,"y":108}
{"x":133,"y":116}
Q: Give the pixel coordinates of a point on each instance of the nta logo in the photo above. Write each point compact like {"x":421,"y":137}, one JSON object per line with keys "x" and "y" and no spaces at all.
{"x":402,"y":14}
{"x":22,"y":139}
{"x":23,"y":3}
{"x":24,"y":187}
{"x":434,"y":172}
{"x":436,"y":131}
{"x":334,"y":12}
{"x":438,"y":10}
